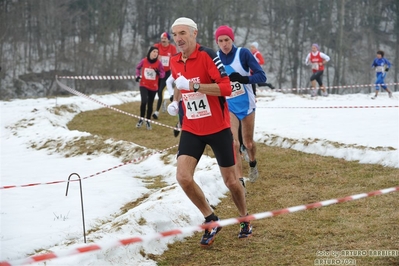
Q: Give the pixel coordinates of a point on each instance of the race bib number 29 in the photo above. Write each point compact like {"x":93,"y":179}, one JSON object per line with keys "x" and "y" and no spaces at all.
{"x":237,"y":89}
{"x":196,"y":105}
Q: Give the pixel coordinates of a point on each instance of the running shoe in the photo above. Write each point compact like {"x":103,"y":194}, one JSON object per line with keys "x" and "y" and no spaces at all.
{"x":244,"y":153}
{"x":210,"y":235}
{"x":149,"y":126}
{"x":313,"y":92}
{"x":245,"y":230}
{"x":139,"y":124}
{"x":155,"y":115}
{"x":390,"y":94}
{"x":253,"y":174}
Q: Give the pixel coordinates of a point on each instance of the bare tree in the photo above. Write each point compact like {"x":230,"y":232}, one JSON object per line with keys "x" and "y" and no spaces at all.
{"x":108,"y":37}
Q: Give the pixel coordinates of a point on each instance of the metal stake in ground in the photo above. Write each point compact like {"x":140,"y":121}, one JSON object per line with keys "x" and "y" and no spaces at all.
{"x":81,"y":201}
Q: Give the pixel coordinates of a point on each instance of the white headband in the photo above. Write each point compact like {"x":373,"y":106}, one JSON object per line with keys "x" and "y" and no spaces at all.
{"x":185,"y":21}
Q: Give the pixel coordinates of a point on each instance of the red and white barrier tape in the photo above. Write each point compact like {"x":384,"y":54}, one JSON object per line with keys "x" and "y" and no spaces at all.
{"x":190,"y":229}
{"x":98,"y":173}
{"x":105,"y":105}
{"x":291,"y":89}
{"x":135,"y":160}
{"x":73,"y":91}
{"x":330,"y":107}
{"x":98,"y":77}
{"x":332,"y":87}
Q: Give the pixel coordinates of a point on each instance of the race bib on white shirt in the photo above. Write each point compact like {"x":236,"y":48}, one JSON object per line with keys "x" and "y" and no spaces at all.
{"x":196,"y":104}
{"x":165,"y":60}
{"x":150,"y":74}
{"x":315,"y":66}
{"x":380,"y":69}
{"x":237,"y":89}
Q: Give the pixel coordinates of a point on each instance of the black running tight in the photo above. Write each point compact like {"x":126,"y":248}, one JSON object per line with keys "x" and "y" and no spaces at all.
{"x":147,"y":100}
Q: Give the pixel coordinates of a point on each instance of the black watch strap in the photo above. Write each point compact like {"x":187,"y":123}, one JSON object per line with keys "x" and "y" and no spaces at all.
{"x":196,"y":87}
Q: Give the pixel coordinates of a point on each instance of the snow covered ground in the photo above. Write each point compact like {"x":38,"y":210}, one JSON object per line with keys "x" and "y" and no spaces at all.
{"x":40,"y":218}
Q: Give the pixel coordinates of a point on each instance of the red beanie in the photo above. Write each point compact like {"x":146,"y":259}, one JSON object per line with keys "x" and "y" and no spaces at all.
{"x":224,"y":30}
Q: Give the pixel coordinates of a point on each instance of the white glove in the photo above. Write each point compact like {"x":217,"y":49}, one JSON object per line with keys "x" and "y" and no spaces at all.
{"x":169,"y":84}
{"x":182,"y":83}
{"x":173,"y":108}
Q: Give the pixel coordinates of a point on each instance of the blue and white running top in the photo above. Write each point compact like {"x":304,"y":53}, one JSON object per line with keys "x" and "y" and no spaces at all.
{"x":241,"y":102}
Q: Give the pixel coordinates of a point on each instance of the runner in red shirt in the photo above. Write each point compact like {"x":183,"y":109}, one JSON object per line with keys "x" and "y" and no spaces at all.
{"x":166,"y":50}
{"x":259,"y":57}
{"x":148,"y":71}
{"x":317,"y":60}
{"x":202,"y":83}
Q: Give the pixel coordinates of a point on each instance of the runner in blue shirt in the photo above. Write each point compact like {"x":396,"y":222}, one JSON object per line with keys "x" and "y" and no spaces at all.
{"x":381,"y":65}
{"x":239,"y":64}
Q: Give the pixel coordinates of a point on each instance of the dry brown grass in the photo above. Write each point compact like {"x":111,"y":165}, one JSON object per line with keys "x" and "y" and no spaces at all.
{"x":111,"y":124}
{"x":288,"y":178}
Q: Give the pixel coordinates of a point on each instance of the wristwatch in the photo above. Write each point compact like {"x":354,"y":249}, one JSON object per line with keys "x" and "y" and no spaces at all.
{"x":196,"y":87}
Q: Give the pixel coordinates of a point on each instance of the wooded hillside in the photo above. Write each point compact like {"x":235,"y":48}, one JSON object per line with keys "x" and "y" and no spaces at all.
{"x":42,"y":38}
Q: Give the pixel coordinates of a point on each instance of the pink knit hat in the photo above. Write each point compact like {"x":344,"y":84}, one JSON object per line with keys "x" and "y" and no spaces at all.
{"x":224,"y":30}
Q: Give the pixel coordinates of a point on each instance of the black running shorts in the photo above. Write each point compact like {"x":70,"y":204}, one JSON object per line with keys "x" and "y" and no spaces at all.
{"x":221,"y":144}
{"x":317,"y":76}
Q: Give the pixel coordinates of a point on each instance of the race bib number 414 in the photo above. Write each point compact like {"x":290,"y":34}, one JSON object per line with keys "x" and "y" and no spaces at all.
{"x":196,"y":105}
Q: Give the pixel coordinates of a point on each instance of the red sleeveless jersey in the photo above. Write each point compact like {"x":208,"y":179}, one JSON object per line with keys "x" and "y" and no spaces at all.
{"x":149,"y":78}
{"x":316,"y":62}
